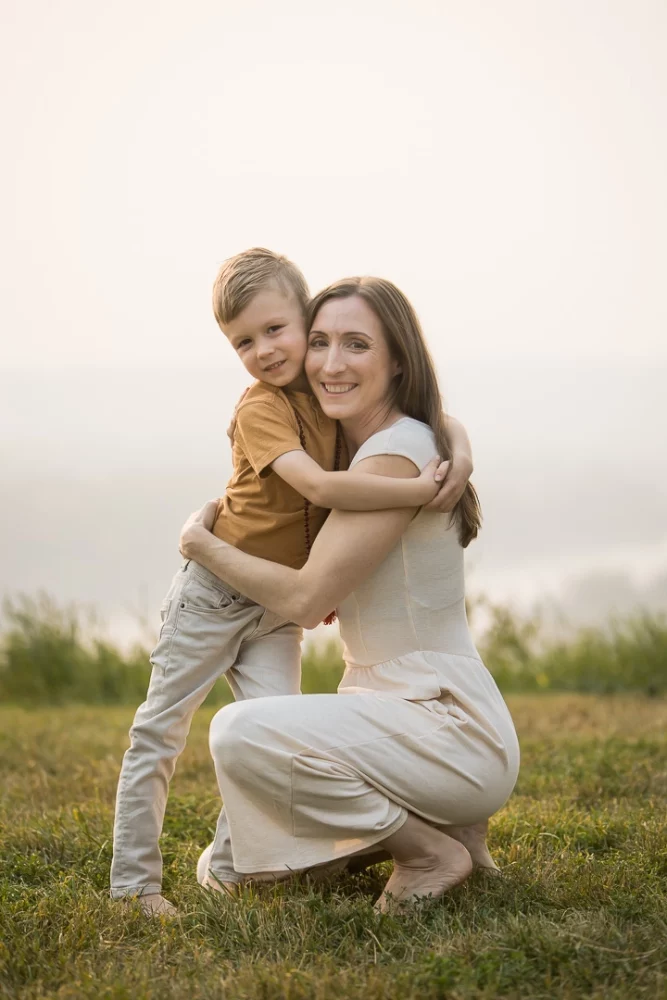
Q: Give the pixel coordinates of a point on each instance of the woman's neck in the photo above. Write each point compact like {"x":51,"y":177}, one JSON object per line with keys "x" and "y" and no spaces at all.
{"x":358,"y":429}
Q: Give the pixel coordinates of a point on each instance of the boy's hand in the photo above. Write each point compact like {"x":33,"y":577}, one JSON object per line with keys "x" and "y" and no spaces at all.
{"x":454,"y":476}
{"x":191,"y":532}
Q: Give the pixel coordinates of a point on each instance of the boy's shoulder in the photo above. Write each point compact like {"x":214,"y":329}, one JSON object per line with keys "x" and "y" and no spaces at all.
{"x":262,"y":403}
{"x":268,"y":395}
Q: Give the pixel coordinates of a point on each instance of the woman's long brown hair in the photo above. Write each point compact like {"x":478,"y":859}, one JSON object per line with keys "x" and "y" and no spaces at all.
{"x":416,"y":391}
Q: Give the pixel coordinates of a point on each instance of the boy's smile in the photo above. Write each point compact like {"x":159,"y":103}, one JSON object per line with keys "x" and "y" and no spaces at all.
{"x":269,"y":336}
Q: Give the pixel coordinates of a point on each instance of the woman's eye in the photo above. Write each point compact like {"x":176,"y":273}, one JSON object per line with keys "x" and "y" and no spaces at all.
{"x":317,"y":342}
{"x":359,"y":345}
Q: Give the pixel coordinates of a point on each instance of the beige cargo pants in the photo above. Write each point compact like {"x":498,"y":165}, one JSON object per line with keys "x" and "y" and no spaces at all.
{"x":207,"y":630}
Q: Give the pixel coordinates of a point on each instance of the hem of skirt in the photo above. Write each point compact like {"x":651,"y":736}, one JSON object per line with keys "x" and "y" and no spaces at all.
{"x":314,"y":859}
{"x":136,"y":890}
{"x":226,"y":876}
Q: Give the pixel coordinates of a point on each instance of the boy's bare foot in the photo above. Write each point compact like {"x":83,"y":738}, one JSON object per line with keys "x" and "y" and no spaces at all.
{"x":473,"y":839}
{"x":155,"y":905}
{"x":426,"y":863}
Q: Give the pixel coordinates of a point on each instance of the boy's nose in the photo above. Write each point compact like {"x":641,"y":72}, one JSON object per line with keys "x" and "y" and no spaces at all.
{"x":265,"y":350}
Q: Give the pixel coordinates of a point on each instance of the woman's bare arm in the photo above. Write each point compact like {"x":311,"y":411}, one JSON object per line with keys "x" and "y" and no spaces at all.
{"x":349,"y":547}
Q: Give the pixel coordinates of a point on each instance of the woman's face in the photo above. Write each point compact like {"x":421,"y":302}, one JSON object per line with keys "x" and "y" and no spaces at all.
{"x":348,"y":363}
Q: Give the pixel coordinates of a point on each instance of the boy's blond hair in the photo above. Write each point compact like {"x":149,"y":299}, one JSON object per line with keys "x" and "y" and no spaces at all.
{"x":241,"y":277}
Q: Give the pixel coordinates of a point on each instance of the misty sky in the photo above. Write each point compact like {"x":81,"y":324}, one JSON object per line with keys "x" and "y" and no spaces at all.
{"x":503,"y":163}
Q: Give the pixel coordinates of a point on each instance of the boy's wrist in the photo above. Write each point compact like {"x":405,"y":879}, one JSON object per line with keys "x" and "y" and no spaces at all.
{"x":424,"y":491}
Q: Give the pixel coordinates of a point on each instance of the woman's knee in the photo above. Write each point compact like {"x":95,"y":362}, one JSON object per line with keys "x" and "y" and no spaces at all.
{"x":231,"y":727}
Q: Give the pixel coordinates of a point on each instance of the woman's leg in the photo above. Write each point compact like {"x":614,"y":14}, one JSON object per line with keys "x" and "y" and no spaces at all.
{"x":311,"y":779}
{"x":426,"y":863}
{"x":473,"y":839}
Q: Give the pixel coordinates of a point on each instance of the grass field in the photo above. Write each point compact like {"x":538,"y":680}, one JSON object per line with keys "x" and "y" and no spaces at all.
{"x":580,"y":910}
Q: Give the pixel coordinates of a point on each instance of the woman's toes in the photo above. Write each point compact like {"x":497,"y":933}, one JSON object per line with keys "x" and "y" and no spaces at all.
{"x":225,"y":888}
{"x":202,"y":864}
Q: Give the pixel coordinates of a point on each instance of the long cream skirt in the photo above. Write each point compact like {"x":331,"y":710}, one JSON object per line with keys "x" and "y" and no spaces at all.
{"x":307,"y":779}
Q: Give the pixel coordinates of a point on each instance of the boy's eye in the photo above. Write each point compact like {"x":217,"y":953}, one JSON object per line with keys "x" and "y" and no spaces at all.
{"x":274,"y":329}
{"x":243,"y":343}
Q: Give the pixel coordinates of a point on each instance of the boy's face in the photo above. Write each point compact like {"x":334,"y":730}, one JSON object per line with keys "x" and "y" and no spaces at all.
{"x":269,"y":336}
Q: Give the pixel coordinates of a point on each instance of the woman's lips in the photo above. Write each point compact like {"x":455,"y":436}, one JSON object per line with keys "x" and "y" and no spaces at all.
{"x":338,"y":388}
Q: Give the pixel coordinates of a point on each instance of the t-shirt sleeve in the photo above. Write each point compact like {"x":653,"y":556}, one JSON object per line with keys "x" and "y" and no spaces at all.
{"x":266,"y":429}
{"x":412,"y":440}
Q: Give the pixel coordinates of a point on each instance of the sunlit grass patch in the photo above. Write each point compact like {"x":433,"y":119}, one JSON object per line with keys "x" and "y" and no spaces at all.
{"x":580,"y":910}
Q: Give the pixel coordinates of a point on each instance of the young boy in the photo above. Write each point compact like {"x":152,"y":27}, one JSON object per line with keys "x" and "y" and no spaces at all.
{"x":288,"y":461}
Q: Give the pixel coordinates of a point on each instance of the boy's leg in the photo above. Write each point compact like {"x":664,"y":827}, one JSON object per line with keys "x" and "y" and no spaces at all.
{"x":203,"y":627}
{"x":268,"y":664}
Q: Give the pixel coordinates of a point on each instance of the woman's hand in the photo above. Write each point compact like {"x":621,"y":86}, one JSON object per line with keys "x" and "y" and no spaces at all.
{"x":427,"y":484}
{"x":454,"y":476}
{"x":195,"y":529}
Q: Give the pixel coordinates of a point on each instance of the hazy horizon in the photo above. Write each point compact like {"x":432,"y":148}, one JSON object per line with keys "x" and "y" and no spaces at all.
{"x":504,"y":165}
{"x":573,"y":497}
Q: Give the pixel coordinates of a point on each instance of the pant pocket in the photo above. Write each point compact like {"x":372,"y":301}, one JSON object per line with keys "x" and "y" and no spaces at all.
{"x":168,"y":614}
{"x":199,"y":595}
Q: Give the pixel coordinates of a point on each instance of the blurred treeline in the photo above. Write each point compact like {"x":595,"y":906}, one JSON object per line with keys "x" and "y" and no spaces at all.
{"x":52,"y":655}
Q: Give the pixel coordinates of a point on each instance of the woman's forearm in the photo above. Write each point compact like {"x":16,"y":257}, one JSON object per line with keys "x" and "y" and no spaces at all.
{"x":276,"y":587}
{"x":348,"y":549}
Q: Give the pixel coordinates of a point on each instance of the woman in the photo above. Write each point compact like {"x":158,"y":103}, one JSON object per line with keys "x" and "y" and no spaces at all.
{"x":422,"y":739}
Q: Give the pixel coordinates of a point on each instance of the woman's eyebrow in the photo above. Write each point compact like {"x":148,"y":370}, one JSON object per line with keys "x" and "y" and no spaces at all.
{"x":346,"y":333}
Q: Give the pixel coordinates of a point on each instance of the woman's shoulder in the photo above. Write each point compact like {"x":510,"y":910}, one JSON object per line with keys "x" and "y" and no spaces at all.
{"x":407,"y":437}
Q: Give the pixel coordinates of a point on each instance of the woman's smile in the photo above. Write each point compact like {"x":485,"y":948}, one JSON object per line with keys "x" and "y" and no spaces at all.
{"x":349,"y":365}
{"x":336,"y":388}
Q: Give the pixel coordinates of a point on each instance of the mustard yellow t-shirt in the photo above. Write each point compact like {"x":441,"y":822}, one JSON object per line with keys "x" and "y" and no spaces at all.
{"x":260,"y":513}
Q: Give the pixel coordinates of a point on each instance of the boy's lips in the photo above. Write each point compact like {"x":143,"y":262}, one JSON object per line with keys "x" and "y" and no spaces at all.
{"x":338,"y":388}
{"x":275,"y":366}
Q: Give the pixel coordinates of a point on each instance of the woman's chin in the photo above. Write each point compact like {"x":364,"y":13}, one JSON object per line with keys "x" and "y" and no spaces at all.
{"x":339,"y":406}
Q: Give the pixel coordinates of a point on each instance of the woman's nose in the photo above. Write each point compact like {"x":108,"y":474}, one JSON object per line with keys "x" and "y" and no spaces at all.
{"x":334,"y":363}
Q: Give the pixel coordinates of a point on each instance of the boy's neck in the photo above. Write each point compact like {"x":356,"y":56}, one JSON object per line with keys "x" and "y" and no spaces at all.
{"x":300,"y":384}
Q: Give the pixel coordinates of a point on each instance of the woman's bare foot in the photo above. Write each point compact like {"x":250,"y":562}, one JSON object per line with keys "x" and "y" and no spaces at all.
{"x":426,"y":863}
{"x":155,"y":905}
{"x":473,"y":839}
{"x":208,"y":881}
